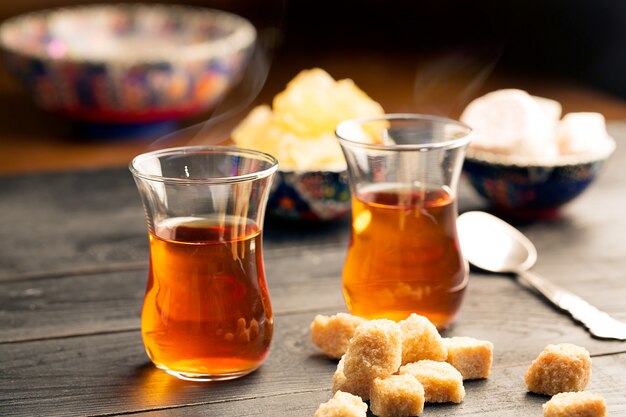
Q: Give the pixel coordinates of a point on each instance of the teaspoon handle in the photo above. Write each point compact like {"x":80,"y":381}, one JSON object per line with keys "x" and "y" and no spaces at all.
{"x":599,"y":323}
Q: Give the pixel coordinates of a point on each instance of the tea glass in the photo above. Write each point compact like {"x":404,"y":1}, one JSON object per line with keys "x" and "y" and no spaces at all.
{"x":404,"y":255}
{"x":206,"y":314}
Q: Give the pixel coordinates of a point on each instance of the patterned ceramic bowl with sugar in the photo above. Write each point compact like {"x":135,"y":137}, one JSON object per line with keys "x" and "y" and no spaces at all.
{"x":311,"y":196}
{"x":531,"y":191}
{"x":127,"y":63}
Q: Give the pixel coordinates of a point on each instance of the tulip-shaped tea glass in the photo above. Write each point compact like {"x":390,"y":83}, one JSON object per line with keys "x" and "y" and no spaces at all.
{"x":404,"y":254}
{"x":206,"y":314}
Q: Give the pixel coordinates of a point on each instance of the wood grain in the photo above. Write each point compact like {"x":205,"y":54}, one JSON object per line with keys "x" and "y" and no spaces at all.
{"x":101,"y":303}
{"x":108,"y":374}
{"x":64,"y":224}
{"x":94,"y":304}
{"x":111,"y":373}
{"x":502,"y":395}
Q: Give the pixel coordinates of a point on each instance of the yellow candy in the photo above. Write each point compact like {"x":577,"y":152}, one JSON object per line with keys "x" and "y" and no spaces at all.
{"x":299,"y":131}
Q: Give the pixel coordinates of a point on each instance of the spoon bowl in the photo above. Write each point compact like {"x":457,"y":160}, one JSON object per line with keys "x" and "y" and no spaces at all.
{"x":493,"y":245}
{"x":501,"y":248}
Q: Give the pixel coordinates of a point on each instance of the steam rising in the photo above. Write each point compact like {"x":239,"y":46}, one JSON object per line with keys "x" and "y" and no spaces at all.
{"x":457,"y":74}
{"x":225,"y":114}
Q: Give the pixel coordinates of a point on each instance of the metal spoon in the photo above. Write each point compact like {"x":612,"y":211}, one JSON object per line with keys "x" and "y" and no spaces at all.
{"x":493,"y":245}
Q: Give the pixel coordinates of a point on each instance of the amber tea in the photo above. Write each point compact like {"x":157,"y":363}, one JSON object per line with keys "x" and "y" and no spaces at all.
{"x":207,"y":314}
{"x":206,"y":309}
{"x":404,"y":256}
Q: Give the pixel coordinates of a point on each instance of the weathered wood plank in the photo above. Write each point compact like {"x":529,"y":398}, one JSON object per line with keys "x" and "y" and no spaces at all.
{"x":519,"y":322}
{"x":590,"y":230}
{"x":111,"y":374}
{"x":287,"y":404}
{"x":68,"y":307}
{"x":495,"y":307}
{"x":60,"y":222}
{"x":504,"y":394}
{"x":65,"y":306}
{"x":105,"y":374}
{"x":52,"y":221}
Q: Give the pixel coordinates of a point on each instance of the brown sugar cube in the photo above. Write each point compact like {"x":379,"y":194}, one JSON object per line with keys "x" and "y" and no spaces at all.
{"x":575,"y":404}
{"x":374,"y":351}
{"x":339,"y":378}
{"x":559,"y":368}
{"x":342,"y":404}
{"x":355,"y":386}
{"x":397,"y":396}
{"x":332,"y":334}
{"x":442,"y":383}
{"x":471,"y":357}
{"x":421,"y":340}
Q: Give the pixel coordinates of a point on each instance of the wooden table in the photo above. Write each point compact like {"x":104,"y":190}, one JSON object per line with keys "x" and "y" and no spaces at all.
{"x":73,"y":267}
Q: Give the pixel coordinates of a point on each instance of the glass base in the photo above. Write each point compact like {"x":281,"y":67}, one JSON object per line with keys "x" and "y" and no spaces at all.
{"x":198,"y":377}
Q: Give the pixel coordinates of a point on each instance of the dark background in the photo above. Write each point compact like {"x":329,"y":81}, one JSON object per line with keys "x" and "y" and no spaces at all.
{"x":421,"y":56}
{"x":581,"y":40}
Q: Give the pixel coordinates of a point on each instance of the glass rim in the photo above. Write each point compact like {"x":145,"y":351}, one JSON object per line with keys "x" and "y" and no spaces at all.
{"x":446,"y":144}
{"x":204,"y":149}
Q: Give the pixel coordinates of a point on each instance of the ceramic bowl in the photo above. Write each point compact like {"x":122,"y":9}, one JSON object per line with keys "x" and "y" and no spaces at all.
{"x":532,"y":190}
{"x":128,"y":63}
{"x":311,"y":196}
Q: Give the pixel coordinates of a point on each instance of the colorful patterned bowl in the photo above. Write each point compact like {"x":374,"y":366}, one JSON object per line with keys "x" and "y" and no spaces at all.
{"x":530,"y":191}
{"x":313,"y":196}
{"x":127,"y":63}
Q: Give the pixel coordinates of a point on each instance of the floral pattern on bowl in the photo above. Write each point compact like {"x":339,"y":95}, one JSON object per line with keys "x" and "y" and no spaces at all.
{"x":127,"y":63}
{"x":310,"y":196}
{"x":531,"y":191}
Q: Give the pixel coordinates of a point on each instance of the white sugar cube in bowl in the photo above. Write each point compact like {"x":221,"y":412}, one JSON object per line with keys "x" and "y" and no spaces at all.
{"x":526,"y":160}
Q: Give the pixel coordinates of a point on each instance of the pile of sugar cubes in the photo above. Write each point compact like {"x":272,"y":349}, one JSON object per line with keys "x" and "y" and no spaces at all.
{"x":530,"y":130}
{"x":401,"y":366}
{"x":398,"y":367}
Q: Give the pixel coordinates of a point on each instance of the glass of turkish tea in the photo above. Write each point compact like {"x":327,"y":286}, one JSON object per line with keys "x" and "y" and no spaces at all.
{"x":404,"y":254}
{"x":206,"y":314}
